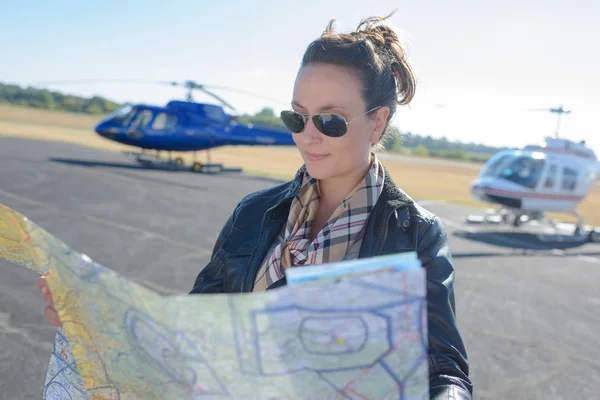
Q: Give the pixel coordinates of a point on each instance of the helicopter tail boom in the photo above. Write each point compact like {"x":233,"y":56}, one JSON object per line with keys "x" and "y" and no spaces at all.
{"x":258,"y":136}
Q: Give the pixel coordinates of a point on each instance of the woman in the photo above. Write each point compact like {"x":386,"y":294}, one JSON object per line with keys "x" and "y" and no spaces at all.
{"x":342,"y":203}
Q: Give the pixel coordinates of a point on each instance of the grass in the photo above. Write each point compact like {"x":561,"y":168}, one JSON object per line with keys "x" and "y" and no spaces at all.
{"x":421,"y":178}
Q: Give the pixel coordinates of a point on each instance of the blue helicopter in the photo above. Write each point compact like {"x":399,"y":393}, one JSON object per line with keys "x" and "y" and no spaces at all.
{"x":184,"y":126}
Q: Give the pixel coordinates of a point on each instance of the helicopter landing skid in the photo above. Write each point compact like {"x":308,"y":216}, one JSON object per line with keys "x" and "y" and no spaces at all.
{"x":491,"y":216}
{"x":516,"y":219}
{"x":153,"y":161}
{"x":176,"y":164}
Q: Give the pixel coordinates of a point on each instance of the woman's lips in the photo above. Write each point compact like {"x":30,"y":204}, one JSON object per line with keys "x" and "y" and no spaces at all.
{"x":314,"y":157}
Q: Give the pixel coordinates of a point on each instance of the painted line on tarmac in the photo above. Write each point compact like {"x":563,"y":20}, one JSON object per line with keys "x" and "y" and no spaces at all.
{"x":7,"y":328}
{"x":588,"y":259}
{"x":426,"y":203}
{"x":456,"y":225}
{"x":594,"y":300}
{"x":22,"y":199}
{"x":146,"y":235}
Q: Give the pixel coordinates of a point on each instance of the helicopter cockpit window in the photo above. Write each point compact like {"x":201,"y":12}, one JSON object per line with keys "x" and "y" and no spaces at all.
{"x":569,"y":180}
{"x":122,"y":116}
{"x":524,"y":170}
{"x":142,"y":119}
{"x":494,"y":163}
{"x":164,"y":122}
{"x":215,"y":113}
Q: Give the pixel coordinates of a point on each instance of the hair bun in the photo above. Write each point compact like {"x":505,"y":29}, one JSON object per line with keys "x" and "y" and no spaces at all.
{"x":389,"y":36}
{"x":381,"y":35}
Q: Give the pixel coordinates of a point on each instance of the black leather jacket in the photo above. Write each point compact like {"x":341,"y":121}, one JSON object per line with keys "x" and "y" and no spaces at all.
{"x":397,"y":224}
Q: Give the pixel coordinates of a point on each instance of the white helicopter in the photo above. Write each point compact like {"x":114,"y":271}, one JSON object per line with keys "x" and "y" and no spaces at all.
{"x":554,"y":176}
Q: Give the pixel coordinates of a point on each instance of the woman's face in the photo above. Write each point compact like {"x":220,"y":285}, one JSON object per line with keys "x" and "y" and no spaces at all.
{"x":326,"y":88}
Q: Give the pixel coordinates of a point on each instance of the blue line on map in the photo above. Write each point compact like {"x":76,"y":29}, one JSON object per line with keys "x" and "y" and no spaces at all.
{"x":64,"y":390}
{"x":68,"y":366}
{"x":65,"y":365}
{"x":412,"y":370}
{"x":324,"y":370}
{"x":379,"y":288}
{"x":62,"y":336}
{"x":414,"y":367}
{"x":236,"y":334}
{"x":327,"y":381}
{"x":256,"y":343}
{"x":390,"y":331}
{"x":393,"y":376}
{"x":424,"y":345}
{"x":369,"y":309}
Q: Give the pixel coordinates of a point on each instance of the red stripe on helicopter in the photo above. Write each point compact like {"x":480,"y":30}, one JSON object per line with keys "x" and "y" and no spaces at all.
{"x":522,"y":195}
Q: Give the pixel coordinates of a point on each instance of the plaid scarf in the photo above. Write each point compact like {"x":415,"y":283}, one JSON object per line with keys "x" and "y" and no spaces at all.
{"x":340,"y":233}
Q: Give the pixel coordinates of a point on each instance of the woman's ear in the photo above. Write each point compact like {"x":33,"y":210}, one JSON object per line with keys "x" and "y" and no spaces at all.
{"x":381,"y":117}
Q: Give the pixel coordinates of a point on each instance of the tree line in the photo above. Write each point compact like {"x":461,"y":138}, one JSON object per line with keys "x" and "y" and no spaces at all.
{"x":49,"y":100}
{"x":427,"y":146}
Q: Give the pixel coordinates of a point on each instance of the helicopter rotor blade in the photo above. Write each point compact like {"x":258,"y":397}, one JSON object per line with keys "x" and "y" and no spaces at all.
{"x":560,"y":109}
{"x":248,"y":94}
{"x":218,"y":98}
{"x":537,"y":109}
{"x":191,"y":85}
{"x":88,"y":81}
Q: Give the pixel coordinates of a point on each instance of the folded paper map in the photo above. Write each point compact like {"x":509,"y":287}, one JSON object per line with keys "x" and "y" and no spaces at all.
{"x":349,"y":330}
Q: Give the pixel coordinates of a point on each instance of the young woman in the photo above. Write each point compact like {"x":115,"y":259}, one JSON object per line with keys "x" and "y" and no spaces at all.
{"x":342,"y":203}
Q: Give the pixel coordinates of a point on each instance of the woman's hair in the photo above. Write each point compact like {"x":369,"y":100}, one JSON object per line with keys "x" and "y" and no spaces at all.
{"x":376,"y":55}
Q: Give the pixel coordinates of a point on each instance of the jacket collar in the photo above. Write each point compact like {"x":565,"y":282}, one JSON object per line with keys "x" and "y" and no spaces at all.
{"x":394,"y":196}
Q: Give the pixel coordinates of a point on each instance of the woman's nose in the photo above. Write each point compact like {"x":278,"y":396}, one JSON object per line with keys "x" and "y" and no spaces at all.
{"x":311,"y":133}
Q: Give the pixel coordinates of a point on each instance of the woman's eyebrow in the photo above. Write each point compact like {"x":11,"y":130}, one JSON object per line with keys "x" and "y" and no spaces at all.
{"x":329,"y":106}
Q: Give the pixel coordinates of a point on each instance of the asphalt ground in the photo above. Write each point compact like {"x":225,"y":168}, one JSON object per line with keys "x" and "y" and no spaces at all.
{"x":527,"y":303}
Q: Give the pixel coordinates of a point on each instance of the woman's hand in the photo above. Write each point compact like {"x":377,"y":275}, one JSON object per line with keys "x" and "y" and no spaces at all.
{"x":50,"y":311}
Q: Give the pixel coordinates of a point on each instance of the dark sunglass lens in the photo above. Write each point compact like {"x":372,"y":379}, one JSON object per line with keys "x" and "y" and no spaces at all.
{"x":293,"y":121}
{"x":330,"y":124}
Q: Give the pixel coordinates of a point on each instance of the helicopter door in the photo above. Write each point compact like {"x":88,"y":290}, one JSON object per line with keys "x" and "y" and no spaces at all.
{"x":550,"y":179}
{"x":569,"y":179}
{"x":559,"y":188}
{"x":164,"y":124}
{"x":136,"y":129}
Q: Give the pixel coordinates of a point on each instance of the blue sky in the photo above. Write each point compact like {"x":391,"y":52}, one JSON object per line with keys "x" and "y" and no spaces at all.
{"x":485,"y":62}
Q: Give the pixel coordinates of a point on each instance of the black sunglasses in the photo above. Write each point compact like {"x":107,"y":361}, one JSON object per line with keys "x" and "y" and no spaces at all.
{"x":331,"y":125}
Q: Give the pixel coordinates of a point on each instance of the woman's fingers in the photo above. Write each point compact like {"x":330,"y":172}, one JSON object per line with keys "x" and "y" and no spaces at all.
{"x":52,"y":316}
{"x":41,"y":284}
{"x":45,"y":289}
{"x":49,"y":311}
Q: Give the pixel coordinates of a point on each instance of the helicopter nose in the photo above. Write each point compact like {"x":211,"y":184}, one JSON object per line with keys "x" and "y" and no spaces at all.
{"x":478,"y":189}
{"x":100,"y":129}
{"x":105,"y":130}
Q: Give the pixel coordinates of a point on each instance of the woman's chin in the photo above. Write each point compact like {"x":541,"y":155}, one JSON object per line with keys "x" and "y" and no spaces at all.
{"x":318,"y":171}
